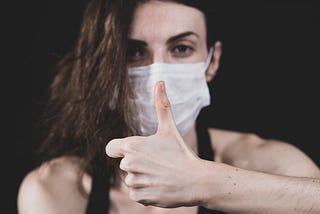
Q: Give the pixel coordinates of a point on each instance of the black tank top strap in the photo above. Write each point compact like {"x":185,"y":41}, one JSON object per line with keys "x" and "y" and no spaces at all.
{"x":99,"y":200}
{"x":204,"y":144}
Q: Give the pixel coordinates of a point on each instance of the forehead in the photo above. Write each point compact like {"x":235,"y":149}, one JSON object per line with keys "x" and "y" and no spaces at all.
{"x":158,"y":20}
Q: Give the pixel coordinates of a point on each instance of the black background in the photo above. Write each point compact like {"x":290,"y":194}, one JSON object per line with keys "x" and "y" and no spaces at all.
{"x":267,"y":82}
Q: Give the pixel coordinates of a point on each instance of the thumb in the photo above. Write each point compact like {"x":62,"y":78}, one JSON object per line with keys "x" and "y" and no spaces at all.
{"x":163,"y":108}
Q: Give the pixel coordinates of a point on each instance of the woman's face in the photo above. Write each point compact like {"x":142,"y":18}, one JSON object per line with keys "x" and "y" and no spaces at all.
{"x":166,"y":32}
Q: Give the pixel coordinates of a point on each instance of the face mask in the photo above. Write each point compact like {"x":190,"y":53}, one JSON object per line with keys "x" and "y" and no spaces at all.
{"x":186,"y":87}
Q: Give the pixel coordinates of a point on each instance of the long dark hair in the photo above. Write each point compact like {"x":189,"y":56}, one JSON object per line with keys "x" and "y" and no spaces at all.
{"x":89,"y":97}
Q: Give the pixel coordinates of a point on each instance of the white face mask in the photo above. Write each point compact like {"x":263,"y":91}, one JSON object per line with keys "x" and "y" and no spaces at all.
{"x":186,"y":87}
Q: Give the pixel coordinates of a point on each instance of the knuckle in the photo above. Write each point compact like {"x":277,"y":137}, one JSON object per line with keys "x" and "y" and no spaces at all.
{"x":137,"y":196}
{"x":140,"y":197}
{"x":124,"y":164}
{"x":127,"y":164}
{"x":132,"y":144}
{"x":133,"y":194}
{"x":130,"y":180}
{"x":129,"y":147}
{"x":166,"y":105}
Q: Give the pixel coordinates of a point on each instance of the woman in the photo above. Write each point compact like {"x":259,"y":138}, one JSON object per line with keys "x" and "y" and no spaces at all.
{"x":103,"y":91}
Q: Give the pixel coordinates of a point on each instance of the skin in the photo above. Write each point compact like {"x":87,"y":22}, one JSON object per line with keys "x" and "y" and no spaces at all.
{"x":241,"y":180}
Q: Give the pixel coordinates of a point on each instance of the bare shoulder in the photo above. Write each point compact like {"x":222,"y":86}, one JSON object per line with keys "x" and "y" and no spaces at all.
{"x":53,"y":187}
{"x":222,"y":140}
{"x":250,"y":151}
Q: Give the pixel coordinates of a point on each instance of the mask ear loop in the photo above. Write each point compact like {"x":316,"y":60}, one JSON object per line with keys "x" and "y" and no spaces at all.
{"x":211,"y":50}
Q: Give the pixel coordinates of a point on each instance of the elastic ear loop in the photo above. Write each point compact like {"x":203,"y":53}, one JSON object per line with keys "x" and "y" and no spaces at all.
{"x":209,"y":59}
{"x":211,"y":50}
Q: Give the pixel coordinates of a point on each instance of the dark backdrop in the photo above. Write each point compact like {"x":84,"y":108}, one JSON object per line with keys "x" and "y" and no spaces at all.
{"x":267,"y":82}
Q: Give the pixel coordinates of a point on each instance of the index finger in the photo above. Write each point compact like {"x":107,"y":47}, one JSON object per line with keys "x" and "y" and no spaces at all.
{"x":113,"y":148}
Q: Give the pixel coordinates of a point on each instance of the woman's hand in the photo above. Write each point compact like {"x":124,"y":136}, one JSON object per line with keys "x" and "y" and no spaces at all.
{"x":161,"y":169}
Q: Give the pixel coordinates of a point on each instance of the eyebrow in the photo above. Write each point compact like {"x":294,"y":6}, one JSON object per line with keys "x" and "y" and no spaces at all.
{"x":135,"y":42}
{"x":180,"y":36}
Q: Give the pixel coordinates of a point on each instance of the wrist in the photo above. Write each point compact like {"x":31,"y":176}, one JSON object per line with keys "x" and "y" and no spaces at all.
{"x":206,"y":185}
{"x":216,"y":185}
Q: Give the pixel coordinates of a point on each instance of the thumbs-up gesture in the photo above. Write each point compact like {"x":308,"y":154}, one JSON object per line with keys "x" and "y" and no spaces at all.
{"x":161,"y":168}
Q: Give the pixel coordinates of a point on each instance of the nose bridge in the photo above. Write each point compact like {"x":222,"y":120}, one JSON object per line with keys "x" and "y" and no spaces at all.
{"x":159,"y":55}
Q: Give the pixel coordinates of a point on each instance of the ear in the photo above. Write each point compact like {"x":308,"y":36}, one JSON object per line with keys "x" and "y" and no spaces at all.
{"x":214,"y":65}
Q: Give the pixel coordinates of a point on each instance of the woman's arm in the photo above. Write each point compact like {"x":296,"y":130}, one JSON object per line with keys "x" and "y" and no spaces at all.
{"x":235,"y":190}
{"x":289,"y":182}
{"x":296,"y":191}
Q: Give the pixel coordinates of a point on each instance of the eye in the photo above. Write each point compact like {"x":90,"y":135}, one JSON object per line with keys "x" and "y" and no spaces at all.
{"x":135,"y":54}
{"x":182,"y":50}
